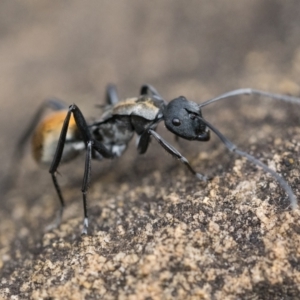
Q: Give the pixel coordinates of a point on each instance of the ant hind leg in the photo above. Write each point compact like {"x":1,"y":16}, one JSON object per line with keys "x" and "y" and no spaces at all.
{"x":91,"y":145}
{"x":19,"y":149}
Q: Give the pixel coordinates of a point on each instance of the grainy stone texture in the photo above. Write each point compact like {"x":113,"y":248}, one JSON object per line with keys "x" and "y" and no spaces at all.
{"x":155,"y":231}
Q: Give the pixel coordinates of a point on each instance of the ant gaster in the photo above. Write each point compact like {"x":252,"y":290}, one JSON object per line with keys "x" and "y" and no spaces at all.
{"x":109,"y":136}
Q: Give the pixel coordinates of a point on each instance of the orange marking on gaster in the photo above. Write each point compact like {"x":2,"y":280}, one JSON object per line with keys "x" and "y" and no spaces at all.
{"x":48,"y":132}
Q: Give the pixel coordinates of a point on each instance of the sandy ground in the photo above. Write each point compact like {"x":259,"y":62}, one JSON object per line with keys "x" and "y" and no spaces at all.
{"x":155,"y":231}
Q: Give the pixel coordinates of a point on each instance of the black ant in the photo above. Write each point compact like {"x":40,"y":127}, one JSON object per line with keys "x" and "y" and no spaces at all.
{"x":109,"y":137}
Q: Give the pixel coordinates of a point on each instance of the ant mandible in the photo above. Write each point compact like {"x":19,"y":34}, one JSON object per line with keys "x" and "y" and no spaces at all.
{"x":109,"y":136}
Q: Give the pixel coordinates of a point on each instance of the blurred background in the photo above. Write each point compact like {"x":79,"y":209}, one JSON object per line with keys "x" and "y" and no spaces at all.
{"x":73,"y":49}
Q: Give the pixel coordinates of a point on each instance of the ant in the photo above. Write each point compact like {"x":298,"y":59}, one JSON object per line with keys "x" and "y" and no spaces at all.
{"x":64,"y":134}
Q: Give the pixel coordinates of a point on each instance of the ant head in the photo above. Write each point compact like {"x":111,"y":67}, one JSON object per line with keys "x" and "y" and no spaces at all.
{"x":183,"y":118}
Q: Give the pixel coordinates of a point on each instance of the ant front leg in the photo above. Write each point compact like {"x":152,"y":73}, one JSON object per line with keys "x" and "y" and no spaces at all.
{"x":146,"y":88}
{"x":145,"y":139}
{"x":90,"y":145}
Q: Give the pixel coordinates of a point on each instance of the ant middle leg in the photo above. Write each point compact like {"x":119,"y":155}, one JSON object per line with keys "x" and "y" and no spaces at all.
{"x":111,"y":94}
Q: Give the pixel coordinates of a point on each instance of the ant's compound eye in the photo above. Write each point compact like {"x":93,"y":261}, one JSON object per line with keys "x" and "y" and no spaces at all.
{"x":176,"y":122}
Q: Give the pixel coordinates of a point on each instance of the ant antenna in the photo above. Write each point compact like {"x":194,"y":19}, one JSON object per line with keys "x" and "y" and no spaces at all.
{"x":250,"y":91}
{"x":233,"y":148}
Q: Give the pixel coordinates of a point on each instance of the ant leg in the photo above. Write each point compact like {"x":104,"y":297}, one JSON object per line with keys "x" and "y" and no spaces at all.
{"x":143,"y":142}
{"x":170,"y":149}
{"x":87,"y":175}
{"x":111,"y":94}
{"x":146,"y":88}
{"x":249,"y":91}
{"x":18,"y":153}
{"x":85,"y":184}
{"x":55,"y":163}
{"x":90,"y":145}
{"x":52,"y":103}
{"x":233,"y":148}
